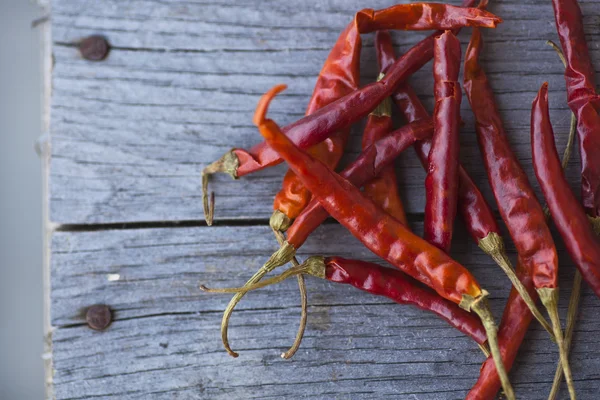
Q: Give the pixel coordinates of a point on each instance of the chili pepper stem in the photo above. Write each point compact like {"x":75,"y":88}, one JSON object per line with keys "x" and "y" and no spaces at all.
{"x":571,"y":320}
{"x":493,"y":245}
{"x":279,"y":222}
{"x":549,"y":297}
{"x":285,"y":252}
{"x":485,"y":348}
{"x":303,"y":297}
{"x":227,"y":164}
{"x":480,"y":306}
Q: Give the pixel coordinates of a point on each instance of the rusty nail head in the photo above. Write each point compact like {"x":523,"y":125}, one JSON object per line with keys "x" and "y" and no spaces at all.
{"x":98,"y":317}
{"x":94,"y":48}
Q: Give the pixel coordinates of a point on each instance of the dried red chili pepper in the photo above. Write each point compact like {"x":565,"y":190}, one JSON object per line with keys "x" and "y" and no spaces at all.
{"x":367,"y":166}
{"x":570,"y":219}
{"x":582,"y":97}
{"x":385,"y":236}
{"x":383,"y":190}
{"x":516,"y":200}
{"x":441,"y":184}
{"x":381,"y":281}
{"x":474,"y":209}
{"x":336,"y":116}
{"x":339,"y":76}
{"x":424,"y":16}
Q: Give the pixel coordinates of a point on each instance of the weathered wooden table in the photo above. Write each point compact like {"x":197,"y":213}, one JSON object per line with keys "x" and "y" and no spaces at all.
{"x":129,"y":137}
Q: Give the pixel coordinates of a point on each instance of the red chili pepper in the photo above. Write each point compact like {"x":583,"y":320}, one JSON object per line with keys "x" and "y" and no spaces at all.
{"x":384,"y":235}
{"x":569,"y":218}
{"x":336,"y":116}
{"x":339,"y":76}
{"x":441,"y":184}
{"x":380,"y":281}
{"x":424,"y":16}
{"x":513,"y":327}
{"x":516,"y":200}
{"x":582,"y":97}
{"x":474,"y":209}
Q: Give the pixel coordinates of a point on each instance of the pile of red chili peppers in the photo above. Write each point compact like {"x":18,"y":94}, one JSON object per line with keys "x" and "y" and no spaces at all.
{"x":425,"y":275}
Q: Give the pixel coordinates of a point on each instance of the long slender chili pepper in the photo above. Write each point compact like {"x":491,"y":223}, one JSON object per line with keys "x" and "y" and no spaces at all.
{"x":424,"y":16}
{"x":516,"y":200}
{"x":372,"y":161}
{"x":441,"y":184}
{"x":342,"y":113}
{"x":339,"y":76}
{"x":581,"y":91}
{"x":383,"y":190}
{"x":381,"y":281}
{"x":515,"y":320}
{"x":474,"y":209}
{"x":570,"y":219}
{"x":385,"y":236}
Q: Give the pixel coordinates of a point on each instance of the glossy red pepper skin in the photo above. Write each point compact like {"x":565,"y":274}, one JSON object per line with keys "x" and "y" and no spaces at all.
{"x":383,"y":189}
{"x":513,"y":327}
{"x":472,"y":206}
{"x":371,"y":162}
{"x":379,"y":232}
{"x":395,"y":285}
{"x":570,"y":219}
{"x":441,"y":184}
{"x":517,"y":203}
{"x":582,"y":98}
{"x":424,"y":16}
{"x":339,"y":76}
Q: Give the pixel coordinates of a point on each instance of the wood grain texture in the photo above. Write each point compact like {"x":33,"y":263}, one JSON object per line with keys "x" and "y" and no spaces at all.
{"x":165,"y":341}
{"x":131,"y":134}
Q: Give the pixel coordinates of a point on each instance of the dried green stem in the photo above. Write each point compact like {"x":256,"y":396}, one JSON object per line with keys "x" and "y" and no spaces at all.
{"x":493,"y":245}
{"x":281,"y":223}
{"x":279,"y":258}
{"x":571,"y":321}
{"x":481,"y":307}
{"x":228,"y":164}
{"x":549,"y":297}
{"x":384,"y":109}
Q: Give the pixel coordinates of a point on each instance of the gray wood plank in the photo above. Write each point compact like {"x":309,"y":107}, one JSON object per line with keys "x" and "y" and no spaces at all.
{"x":130,"y":135}
{"x":165,"y":341}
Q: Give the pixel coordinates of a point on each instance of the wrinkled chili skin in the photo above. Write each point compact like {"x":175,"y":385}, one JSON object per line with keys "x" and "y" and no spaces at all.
{"x":395,"y":285}
{"x":441,"y":184}
{"x":511,"y":333}
{"x":367,"y":166}
{"x":339,"y":76}
{"x":383,"y":189}
{"x":424,"y":16}
{"x":472,"y":206}
{"x":570,"y":219}
{"x":340,"y":114}
{"x":379,"y":232}
{"x":582,"y":98}
{"x":517,"y":203}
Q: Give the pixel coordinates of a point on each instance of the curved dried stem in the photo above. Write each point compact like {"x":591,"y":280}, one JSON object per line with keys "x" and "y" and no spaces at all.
{"x":571,"y":321}
{"x":301,"y":285}
{"x":481,"y":307}
{"x":549,"y":297}
{"x":493,"y":245}
{"x":227,"y":164}
{"x":279,"y":258}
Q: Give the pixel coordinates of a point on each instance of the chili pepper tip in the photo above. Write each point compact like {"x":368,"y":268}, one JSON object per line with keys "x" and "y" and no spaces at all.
{"x":263,"y":104}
